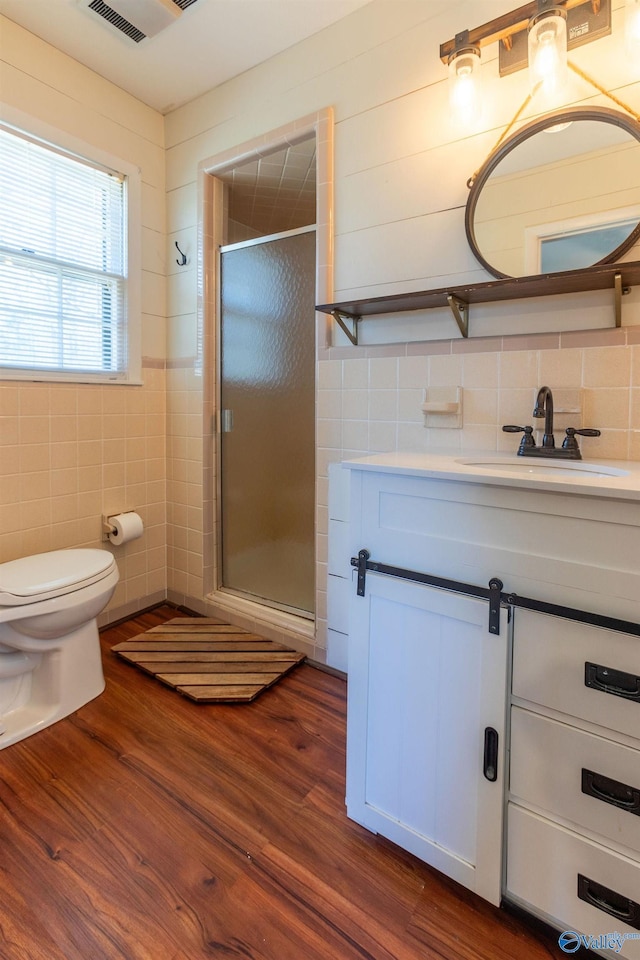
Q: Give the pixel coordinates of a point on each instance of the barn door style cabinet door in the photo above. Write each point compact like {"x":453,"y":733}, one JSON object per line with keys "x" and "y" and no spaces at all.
{"x":426,"y":731}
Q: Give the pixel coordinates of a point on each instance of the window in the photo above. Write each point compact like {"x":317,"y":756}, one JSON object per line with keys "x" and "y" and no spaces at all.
{"x":577,"y":242}
{"x":574,"y":249}
{"x":65,"y":305}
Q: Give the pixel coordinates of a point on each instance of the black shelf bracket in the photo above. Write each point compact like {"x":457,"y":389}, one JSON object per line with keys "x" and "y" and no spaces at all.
{"x":460,"y":310}
{"x":342,"y":318}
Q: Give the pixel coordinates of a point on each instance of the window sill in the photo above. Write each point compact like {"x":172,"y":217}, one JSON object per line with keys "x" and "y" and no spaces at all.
{"x":37,"y":377}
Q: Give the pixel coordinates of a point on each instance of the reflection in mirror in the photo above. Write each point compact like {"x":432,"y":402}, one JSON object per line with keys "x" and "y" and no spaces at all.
{"x":562,"y":194}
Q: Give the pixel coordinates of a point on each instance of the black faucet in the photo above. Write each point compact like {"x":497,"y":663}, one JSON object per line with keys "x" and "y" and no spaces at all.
{"x":544,"y":408}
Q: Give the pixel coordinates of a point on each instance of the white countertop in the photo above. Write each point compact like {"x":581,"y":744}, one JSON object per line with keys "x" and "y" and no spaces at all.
{"x":612,"y":479}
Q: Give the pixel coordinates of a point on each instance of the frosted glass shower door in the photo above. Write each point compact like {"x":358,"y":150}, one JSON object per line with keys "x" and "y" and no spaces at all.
{"x":267,"y":401}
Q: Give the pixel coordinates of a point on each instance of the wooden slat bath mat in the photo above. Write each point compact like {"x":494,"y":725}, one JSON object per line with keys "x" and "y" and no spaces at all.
{"x":208,"y":660}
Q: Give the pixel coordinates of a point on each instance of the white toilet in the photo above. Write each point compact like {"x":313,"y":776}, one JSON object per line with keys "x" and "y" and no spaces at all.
{"x":50,"y":663}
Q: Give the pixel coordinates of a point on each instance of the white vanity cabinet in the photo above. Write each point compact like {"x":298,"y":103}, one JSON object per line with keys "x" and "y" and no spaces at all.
{"x":557,"y":831}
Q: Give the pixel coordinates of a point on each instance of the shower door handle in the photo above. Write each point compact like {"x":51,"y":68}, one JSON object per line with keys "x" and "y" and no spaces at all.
{"x":226,"y":421}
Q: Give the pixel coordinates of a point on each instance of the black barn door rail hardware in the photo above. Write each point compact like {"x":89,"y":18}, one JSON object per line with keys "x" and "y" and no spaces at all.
{"x":493,"y":593}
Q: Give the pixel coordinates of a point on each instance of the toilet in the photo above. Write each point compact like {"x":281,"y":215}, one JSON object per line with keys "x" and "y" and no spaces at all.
{"x":50,"y":662}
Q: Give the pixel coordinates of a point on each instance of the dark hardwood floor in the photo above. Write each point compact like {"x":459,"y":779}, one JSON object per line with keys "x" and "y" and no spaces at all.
{"x":148,"y":827}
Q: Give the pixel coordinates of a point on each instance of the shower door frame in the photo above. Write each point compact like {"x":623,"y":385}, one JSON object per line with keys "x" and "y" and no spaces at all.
{"x":230,"y":591}
{"x":210,"y":234}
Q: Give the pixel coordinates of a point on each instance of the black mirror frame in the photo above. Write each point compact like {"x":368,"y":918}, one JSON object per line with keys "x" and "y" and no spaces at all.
{"x":603,"y":114}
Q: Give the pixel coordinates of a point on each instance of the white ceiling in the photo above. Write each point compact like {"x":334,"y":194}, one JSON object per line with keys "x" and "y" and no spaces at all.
{"x":212,"y":41}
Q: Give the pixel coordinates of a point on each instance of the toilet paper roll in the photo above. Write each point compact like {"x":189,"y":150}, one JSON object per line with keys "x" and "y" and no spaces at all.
{"x":127,"y":526}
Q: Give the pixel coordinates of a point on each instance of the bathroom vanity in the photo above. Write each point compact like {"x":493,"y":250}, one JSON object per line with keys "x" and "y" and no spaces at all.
{"x":494,"y":678}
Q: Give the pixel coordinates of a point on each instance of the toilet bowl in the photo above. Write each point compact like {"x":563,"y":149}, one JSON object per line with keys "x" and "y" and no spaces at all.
{"x":50,"y":663}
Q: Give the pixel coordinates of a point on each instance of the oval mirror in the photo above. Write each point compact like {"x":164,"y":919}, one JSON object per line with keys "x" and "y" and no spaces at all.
{"x":561,"y":194}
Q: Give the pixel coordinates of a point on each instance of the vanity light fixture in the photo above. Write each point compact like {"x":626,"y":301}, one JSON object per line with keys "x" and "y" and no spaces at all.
{"x":536,"y":35}
{"x":465,"y":98}
{"x":547,"y":45}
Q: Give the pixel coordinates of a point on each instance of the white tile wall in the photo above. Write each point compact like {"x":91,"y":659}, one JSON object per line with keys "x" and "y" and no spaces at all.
{"x":339,"y":579}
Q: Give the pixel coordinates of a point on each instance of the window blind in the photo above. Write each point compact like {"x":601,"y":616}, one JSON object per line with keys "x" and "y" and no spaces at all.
{"x":63,"y":261}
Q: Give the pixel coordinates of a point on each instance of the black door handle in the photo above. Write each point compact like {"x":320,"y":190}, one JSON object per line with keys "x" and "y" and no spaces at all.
{"x":490,"y":762}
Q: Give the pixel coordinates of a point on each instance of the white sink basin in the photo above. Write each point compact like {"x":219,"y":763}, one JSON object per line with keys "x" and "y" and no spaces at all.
{"x":531,"y":467}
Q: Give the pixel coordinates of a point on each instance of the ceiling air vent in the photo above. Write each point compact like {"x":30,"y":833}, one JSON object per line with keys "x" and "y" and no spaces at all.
{"x":138,"y":19}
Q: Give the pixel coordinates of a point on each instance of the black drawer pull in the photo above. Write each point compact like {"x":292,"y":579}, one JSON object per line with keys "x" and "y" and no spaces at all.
{"x":611,"y":791}
{"x":490,"y":764}
{"x":622,"y":908}
{"x":612,"y":681}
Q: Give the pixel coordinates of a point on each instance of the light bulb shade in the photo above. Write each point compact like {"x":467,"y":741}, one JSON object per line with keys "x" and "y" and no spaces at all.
{"x":548,"y":52}
{"x":465,"y":97}
{"x":632,"y":28}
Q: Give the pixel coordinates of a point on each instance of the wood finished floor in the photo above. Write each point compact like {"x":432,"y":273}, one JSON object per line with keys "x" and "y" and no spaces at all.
{"x":148,"y":827}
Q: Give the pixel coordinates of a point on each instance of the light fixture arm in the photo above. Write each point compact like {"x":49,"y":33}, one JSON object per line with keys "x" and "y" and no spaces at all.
{"x":504,"y":27}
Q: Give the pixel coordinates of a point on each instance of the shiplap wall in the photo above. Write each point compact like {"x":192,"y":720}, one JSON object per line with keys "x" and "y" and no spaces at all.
{"x":401,"y":165}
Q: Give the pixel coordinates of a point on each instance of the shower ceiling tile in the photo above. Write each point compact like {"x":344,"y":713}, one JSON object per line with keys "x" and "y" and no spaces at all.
{"x":276,"y":192}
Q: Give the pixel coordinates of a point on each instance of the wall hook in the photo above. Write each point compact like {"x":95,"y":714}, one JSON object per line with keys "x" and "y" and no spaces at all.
{"x":182,"y":262}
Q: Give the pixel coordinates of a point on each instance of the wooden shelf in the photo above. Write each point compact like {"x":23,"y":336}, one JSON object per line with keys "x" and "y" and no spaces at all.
{"x":618,"y":277}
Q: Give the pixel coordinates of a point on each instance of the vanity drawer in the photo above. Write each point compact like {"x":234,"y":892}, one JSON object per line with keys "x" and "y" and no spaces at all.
{"x":578,"y":669}
{"x":571,"y":882}
{"x":575,"y":775}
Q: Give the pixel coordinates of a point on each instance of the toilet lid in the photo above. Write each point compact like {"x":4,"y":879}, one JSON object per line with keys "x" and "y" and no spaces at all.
{"x":50,"y":574}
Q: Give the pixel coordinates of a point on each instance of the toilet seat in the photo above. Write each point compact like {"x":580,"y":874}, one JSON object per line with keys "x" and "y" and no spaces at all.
{"x":52,"y":574}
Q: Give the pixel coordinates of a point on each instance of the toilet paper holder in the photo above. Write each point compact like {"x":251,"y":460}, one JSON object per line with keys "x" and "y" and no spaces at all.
{"x":108,"y":526}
